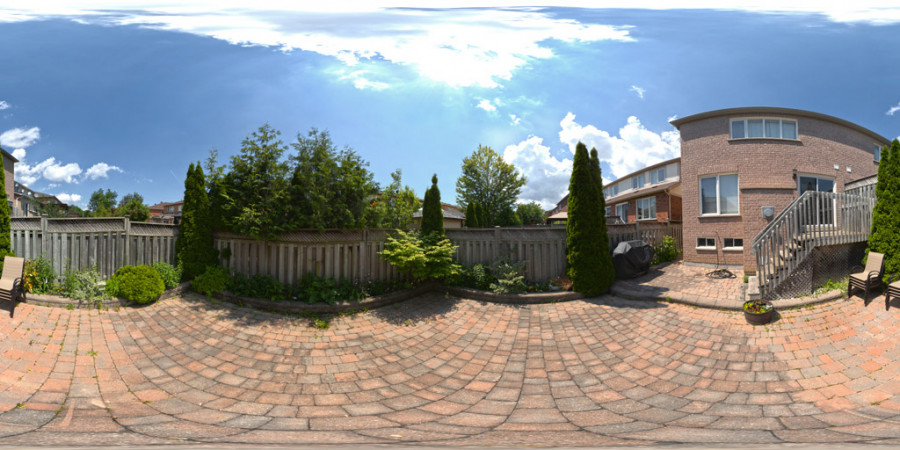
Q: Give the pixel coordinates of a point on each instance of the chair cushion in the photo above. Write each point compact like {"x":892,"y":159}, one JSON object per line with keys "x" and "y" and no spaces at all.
{"x":6,"y":284}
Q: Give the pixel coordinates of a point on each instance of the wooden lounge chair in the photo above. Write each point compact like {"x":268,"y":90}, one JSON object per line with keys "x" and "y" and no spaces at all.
{"x":11,"y":280}
{"x":870,"y":276}
{"x":893,"y":289}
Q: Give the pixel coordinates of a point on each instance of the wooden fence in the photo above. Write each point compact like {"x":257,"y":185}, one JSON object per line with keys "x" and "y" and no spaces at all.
{"x":650,"y":232}
{"x":107,"y":243}
{"x":542,"y":248}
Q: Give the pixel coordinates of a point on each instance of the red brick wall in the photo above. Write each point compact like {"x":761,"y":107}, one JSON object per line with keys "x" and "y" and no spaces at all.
{"x":765,"y":175}
{"x":675,"y":208}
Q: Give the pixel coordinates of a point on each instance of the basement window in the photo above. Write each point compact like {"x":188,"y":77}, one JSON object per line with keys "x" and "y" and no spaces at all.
{"x":704,"y":243}
{"x":734,"y":244}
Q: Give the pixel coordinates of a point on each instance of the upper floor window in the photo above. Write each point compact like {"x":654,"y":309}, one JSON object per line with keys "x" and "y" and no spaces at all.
{"x":613,"y":190}
{"x":877,"y":152}
{"x":763,"y":128}
{"x":637,"y":181}
{"x":658,"y":175}
{"x":719,"y":195}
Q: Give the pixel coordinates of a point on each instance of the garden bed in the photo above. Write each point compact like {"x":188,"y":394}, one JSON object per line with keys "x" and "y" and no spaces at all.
{"x":66,"y":302}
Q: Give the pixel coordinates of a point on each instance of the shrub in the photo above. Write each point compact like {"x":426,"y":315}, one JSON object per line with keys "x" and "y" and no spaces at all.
{"x":665,"y":251}
{"x":509,"y":278}
{"x":589,"y":263}
{"x":39,"y":275}
{"x":170,"y":275}
{"x":257,"y":286}
{"x":213,"y":279}
{"x":315,"y":289}
{"x":426,"y":257}
{"x":83,"y":284}
{"x":475,"y":276}
{"x":141,"y":284}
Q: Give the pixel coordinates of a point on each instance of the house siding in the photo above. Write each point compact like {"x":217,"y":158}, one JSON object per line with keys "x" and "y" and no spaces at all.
{"x":765,"y":169}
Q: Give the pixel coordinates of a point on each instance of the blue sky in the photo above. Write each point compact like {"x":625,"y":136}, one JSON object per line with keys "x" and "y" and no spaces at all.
{"x":126,"y":95}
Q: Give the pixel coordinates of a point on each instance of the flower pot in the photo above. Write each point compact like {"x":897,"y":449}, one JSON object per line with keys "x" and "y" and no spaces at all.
{"x":760,"y":313}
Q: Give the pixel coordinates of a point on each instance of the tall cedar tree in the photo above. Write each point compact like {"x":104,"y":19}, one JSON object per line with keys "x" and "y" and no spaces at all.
{"x":471,"y":218}
{"x":5,"y":239}
{"x":483,"y":219}
{"x":608,"y":270}
{"x":885,"y":236}
{"x":194,"y":247}
{"x":432,"y":216}
{"x":585,"y":253}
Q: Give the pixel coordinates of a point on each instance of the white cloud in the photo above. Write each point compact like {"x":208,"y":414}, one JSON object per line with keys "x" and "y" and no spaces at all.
{"x":893,"y":109}
{"x":69,"y":198}
{"x":20,"y":137}
{"x":548,"y":176}
{"x":638,"y":90}
{"x":446,"y":42}
{"x":361,"y":82}
{"x":514,"y":120}
{"x":100,"y":170}
{"x":486,"y":105}
{"x":634,"y":148}
{"x":3,"y":105}
{"x":19,"y":153}
{"x":48,"y":169}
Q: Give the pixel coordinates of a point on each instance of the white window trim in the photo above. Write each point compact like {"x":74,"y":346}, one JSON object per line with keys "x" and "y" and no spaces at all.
{"x":637,"y":209}
{"x":780,"y":120}
{"x":741,"y":248}
{"x":706,"y":247}
{"x":719,"y":195}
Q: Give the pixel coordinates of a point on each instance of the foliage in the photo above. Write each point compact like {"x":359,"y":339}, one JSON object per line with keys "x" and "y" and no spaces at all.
{"x":510,"y":279}
{"x":421,"y":256}
{"x":332,"y":188}
{"x":314,"y":289}
{"x":587,"y":246}
{"x":432,"y":213}
{"x":255,"y":190}
{"x":213,"y":279}
{"x":194,"y":248}
{"x":476,"y":276}
{"x":482,"y":216}
{"x":490,"y":181}
{"x":83,"y":284}
{"x":885,"y":236}
{"x":471,"y":216}
{"x":56,"y":210}
{"x":5,"y":236}
{"x":395,"y":206}
{"x":831,"y":285}
{"x":133,"y":206}
{"x":170,"y":275}
{"x":530,"y":213}
{"x":102,"y":202}
{"x":665,"y":251}
{"x":39,"y":275}
{"x":757,"y":306}
{"x":509,"y":218}
{"x":257,"y":286}
{"x":141,"y":284}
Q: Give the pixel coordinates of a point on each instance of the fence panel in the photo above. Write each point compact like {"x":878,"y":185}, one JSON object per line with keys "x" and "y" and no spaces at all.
{"x":107,"y":243}
{"x":651,"y":232}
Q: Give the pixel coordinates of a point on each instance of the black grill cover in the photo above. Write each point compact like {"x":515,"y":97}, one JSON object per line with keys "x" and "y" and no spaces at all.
{"x":632,"y":258}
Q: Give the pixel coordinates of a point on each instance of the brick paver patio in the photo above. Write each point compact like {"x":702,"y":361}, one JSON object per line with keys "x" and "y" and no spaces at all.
{"x":446,"y":371}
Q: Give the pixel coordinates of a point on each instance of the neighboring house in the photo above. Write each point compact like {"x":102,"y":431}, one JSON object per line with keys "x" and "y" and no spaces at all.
{"x":652,"y":194}
{"x":735,"y":162}
{"x":559,"y":214}
{"x":453,"y":217}
{"x":50,"y":201}
{"x":26,"y":204}
{"x":166,"y":212}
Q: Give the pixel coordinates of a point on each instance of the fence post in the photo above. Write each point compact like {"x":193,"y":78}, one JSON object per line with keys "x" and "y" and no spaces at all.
{"x":127,"y":223}
{"x":496,"y":252}
{"x":363,"y":257}
{"x":44,"y":244}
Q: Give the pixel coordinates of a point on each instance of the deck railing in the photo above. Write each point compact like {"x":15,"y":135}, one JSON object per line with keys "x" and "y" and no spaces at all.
{"x":811,"y":220}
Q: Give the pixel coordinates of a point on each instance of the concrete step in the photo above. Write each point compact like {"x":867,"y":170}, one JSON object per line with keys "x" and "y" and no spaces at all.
{"x":753,"y":288}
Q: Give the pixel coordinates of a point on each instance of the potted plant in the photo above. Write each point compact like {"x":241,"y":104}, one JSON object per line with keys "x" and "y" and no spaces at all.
{"x":758,"y":312}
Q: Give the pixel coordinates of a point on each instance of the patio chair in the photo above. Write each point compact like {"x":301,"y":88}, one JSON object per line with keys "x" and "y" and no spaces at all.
{"x":11,"y":279}
{"x":869,"y":277}
{"x":893,"y":289}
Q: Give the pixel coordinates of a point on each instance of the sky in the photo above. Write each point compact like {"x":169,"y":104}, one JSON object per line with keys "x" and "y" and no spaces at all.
{"x":125,"y":95}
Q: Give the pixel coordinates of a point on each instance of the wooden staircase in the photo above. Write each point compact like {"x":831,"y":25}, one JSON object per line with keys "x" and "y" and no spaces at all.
{"x":813,"y":219}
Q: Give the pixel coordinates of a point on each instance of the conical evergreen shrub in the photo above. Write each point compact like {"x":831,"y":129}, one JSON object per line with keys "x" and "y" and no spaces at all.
{"x":432,"y":215}
{"x":885,"y":236}
{"x":586,"y":256}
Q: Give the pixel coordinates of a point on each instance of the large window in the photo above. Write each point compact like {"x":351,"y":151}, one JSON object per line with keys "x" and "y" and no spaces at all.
{"x":719,"y":195}
{"x":622,"y":212}
{"x":658,"y":175}
{"x":646,"y":208}
{"x":763,"y":128}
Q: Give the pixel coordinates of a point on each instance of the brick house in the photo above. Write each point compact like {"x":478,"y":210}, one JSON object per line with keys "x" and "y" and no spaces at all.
{"x":652,"y":194}
{"x":166,"y":212}
{"x":735,"y":162}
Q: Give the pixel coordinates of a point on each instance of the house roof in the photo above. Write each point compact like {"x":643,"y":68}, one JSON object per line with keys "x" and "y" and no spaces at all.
{"x":642,"y":192}
{"x":677,"y":123}
{"x":8,"y":155}
{"x":562,"y":215}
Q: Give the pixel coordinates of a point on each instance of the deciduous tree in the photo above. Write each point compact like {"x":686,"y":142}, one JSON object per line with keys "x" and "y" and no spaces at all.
{"x":133,"y":206}
{"x":102,"y":203}
{"x":530,"y":213}
{"x":395,"y":206}
{"x":490,"y":181}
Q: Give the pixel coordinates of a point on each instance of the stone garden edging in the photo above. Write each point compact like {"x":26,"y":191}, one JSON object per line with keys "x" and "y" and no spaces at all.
{"x":63,"y":302}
